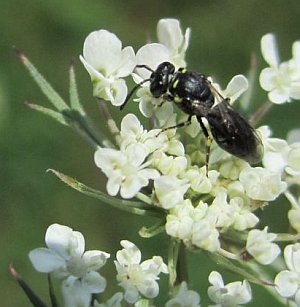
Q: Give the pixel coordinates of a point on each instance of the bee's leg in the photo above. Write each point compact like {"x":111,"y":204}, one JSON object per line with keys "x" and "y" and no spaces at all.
{"x":208,"y":143}
{"x":184,"y":124}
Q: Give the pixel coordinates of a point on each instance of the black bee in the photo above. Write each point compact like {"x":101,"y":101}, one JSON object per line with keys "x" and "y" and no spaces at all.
{"x":193,"y":93}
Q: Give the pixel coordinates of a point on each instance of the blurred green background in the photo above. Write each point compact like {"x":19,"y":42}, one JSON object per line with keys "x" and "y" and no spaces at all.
{"x":224,"y":35}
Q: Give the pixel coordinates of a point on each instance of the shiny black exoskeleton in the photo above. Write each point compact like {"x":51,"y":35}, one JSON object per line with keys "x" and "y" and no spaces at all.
{"x":193,"y":93}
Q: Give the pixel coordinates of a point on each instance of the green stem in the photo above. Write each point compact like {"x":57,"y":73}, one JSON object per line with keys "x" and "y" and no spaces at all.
{"x":174,"y":247}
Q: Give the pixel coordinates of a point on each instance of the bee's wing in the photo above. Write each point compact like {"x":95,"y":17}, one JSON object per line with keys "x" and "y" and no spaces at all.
{"x":234,"y":134}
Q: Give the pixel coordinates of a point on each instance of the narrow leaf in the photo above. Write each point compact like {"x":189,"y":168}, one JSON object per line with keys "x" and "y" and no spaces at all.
{"x":46,"y":88}
{"x":55,"y":115}
{"x":227,"y":264}
{"x":74,"y":97}
{"x":134,"y":207}
{"x":34,"y":299}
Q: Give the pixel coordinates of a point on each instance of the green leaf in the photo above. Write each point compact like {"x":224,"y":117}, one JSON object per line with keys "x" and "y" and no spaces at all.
{"x":134,"y":207}
{"x":34,"y":299}
{"x":55,"y":115}
{"x":74,"y":97}
{"x":236,"y":268}
{"x":46,"y":88}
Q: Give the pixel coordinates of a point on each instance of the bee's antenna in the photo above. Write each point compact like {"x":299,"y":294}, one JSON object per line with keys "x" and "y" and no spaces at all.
{"x":137,"y":86}
{"x":131,"y":93}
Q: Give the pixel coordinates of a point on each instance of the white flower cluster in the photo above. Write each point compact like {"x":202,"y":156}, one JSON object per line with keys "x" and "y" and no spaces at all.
{"x":199,"y":207}
{"x":281,"y":80}
{"x":66,"y":260}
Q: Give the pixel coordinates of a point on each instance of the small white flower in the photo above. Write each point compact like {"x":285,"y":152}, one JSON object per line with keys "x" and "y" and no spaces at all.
{"x":133,"y":133}
{"x":107,"y":63}
{"x":222,"y":211}
{"x":232,"y":168}
{"x":232,"y":295}
{"x":243,"y":218}
{"x":125,"y":171}
{"x":65,"y":259}
{"x":280,"y":80}
{"x":169,"y":190}
{"x":260,"y":247}
{"x":288,"y":281}
{"x":135,"y":277}
{"x":184,"y":297}
{"x":204,"y":233}
{"x":169,"y":165}
{"x":199,"y":181}
{"x":180,"y":222}
{"x":261,"y":184}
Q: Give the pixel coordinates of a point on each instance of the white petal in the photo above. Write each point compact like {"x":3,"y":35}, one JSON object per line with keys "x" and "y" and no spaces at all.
{"x":102,"y":50}
{"x":286,"y":283}
{"x":130,"y":254}
{"x":269,"y":50}
{"x":279,"y":95}
{"x":94,"y":282}
{"x":45,"y":260}
{"x":64,"y":240}
{"x":216,"y":279}
{"x":109,"y":160}
{"x":95,"y":259}
{"x":151,"y":55}
{"x":237,"y":86}
{"x":130,"y":187}
{"x":169,"y":33}
{"x":292,"y":257}
{"x":131,"y":125}
{"x":117,"y":92}
{"x":95,"y":74}
{"x":113,"y":185}
{"x":128,"y":62}
{"x":267,"y":77}
{"x":131,"y":292}
{"x":75,"y":295}
{"x":149,"y":288}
